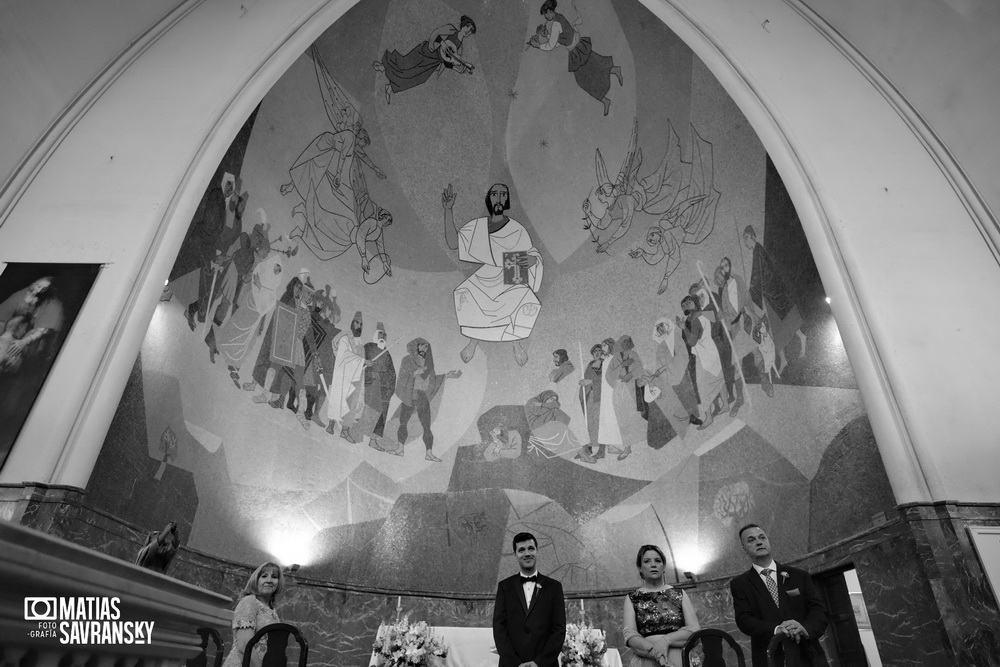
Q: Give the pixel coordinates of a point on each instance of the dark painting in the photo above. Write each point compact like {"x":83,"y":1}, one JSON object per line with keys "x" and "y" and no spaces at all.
{"x":38,"y":305}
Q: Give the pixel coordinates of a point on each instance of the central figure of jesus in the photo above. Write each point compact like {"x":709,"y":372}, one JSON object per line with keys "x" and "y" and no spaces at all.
{"x":497,"y":303}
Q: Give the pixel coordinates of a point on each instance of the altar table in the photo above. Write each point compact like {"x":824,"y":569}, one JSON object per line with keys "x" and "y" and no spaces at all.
{"x":473,"y":647}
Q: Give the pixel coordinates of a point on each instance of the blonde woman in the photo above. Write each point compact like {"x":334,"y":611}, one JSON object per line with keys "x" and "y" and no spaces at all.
{"x":658,"y":618}
{"x":255,"y":610}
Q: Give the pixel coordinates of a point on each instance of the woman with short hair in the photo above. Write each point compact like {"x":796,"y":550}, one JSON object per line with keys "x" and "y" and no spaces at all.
{"x":658,"y":618}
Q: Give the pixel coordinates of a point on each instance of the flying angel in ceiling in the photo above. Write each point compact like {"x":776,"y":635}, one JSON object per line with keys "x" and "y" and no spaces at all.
{"x":329,"y":179}
{"x":689,"y":215}
{"x":666,"y":193}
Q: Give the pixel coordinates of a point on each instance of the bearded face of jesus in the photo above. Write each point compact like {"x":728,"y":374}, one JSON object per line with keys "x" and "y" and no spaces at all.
{"x":498,"y":199}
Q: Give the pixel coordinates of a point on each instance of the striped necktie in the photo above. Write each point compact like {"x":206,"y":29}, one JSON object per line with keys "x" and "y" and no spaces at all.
{"x":771,"y":586}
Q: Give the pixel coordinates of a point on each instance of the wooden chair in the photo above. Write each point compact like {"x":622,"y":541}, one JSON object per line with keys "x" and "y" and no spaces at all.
{"x":201,"y":660}
{"x":783,"y":652}
{"x":711,"y":641}
{"x":277,"y":643}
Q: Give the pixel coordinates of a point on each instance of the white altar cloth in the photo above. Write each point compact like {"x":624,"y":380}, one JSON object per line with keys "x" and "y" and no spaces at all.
{"x":473,"y":647}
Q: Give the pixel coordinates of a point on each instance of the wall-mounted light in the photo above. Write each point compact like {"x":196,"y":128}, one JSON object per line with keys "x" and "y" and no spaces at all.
{"x":291,"y":541}
{"x":828,"y":299}
{"x":693,"y":559}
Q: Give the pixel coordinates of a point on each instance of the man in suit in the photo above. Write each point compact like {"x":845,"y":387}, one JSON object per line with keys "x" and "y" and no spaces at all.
{"x":529,"y":615}
{"x":771,"y":599}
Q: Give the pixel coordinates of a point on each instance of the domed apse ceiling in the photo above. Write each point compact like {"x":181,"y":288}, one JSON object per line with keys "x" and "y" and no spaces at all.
{"x":350,"y":200}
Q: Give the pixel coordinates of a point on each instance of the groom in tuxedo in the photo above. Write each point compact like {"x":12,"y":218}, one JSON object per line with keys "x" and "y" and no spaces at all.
{"x":529,"y":615}
{"x":771,"y":599}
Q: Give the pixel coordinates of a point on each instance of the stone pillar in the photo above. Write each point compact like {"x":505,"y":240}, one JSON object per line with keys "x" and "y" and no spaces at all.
{"x":969,"y":613}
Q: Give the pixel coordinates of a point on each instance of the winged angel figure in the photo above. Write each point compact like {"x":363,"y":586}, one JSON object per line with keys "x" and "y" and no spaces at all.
{"x":680,"y":194}
{"x":328,"y":177}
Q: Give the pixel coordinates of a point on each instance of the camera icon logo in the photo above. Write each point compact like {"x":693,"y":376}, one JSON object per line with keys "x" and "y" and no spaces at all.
{"x":41,"y":609}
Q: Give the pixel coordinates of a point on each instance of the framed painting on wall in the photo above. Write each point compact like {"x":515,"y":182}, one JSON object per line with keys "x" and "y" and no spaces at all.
{"x":38,"y":304}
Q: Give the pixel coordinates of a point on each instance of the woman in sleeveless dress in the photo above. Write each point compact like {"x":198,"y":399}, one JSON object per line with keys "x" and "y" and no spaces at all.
{"x":658,"y":618}
{"x":255,"y":610}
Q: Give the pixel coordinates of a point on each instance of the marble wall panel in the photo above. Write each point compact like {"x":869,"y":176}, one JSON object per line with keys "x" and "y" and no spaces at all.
{"x":923,"y":585}
{"x":967,"y":607}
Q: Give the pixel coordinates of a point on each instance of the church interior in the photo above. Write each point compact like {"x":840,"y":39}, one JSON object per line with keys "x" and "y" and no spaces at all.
{"x":365,"y":288}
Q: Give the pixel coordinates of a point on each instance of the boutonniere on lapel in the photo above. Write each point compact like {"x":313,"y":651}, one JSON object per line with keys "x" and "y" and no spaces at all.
{"x":784,"y":577}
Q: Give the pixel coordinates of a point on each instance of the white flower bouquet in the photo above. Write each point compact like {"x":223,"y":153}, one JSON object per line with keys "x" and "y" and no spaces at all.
{"x":405,"y":644}
{"x":584,"y":646}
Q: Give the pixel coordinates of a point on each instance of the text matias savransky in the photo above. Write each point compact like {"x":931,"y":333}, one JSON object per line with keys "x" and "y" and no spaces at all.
{"x":84,"y":621}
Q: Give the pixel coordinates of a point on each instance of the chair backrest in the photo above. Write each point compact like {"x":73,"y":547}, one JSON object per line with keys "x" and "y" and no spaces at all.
{"x":711,"y":641}
{"x":783,"y":652}
{"x":277,"y":642}
{"x":201,"y":660}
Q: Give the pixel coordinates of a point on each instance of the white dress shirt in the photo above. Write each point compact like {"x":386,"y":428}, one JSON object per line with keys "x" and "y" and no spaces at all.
{"x":771,"y":566}
{"x":529,"y":586}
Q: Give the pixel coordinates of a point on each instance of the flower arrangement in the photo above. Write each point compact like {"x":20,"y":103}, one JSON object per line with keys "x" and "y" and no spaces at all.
{"x":405,"y":644}
{"x":584,"y":646}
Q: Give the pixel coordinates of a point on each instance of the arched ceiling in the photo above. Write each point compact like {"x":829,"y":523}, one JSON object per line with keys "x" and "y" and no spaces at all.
{"x":621,"y":214}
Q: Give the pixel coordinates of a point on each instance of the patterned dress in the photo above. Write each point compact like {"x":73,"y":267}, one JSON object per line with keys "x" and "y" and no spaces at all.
{"x":250,"y":614}
{"x":657,"y":613}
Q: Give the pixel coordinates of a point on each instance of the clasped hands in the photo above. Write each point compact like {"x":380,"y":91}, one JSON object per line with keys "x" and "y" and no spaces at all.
{"x":659,"y":655}
{"x":794,"y":630}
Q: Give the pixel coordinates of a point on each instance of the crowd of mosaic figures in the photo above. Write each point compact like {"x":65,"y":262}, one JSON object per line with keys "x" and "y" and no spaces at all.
{"x":335,"y":379}
{"x":697,"y":373}
{"x":305,"y":363}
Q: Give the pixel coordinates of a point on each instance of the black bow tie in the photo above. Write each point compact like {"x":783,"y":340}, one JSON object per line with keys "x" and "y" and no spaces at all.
{"x":533,"y":578}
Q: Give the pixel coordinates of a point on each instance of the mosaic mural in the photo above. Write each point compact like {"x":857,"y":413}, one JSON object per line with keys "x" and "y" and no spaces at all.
{"x":470,"y":269}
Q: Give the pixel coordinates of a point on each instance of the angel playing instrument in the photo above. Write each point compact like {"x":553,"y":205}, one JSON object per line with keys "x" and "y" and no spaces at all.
{"x":449,"y":53}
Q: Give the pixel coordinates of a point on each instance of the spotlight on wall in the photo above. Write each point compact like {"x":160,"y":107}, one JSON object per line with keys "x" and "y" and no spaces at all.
{"x":828,"y":299}
{"x":689,"y":576}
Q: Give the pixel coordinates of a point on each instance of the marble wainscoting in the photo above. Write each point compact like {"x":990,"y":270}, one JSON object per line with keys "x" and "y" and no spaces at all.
{"x":926,"y":593}
{"x":714,"y":605}
{"x":40,"y":506}
{"x":962,"y":593}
